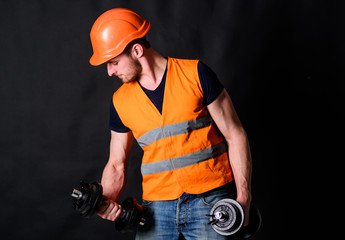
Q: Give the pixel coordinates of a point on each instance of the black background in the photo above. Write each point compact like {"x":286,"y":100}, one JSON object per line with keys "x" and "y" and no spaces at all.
{"x":282,"y":63}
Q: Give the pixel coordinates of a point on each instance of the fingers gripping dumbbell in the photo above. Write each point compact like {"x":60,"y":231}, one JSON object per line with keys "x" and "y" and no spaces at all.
{"x":88,"y":199}
{"x":227,"y":218}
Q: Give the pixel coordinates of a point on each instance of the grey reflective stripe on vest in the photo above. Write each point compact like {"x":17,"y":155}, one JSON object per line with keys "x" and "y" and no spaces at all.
{"x":173,"y":129}
{"x":184,"y":161}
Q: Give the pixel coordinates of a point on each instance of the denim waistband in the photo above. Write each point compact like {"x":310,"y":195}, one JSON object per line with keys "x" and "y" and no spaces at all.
{"x":230,"y":187}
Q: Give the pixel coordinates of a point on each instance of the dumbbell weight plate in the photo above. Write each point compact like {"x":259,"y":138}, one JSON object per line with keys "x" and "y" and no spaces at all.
{"x":255,"y":220}
{"x":227,"y":217}
{"x":89,"y":199}
{"x":131,"y":216}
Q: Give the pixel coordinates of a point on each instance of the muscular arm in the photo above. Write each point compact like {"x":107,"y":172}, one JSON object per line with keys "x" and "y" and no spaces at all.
{"x":115,"y":173}
{"x":224,"y":115}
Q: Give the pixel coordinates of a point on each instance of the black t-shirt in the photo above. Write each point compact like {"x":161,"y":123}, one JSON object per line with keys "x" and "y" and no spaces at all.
{"x":209,"y":83}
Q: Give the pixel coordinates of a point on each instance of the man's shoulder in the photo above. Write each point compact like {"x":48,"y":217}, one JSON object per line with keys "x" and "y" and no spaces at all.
{"x":184,"y":60}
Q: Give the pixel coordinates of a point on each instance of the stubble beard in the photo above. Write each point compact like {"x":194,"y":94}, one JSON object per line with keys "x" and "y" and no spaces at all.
{"x":134,"y":71}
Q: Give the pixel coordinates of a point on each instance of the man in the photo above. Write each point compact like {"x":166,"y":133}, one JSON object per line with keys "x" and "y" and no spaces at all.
{"x":184,"y":121}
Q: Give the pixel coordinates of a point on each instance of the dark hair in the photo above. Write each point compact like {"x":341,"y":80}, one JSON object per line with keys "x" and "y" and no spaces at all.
{"x":142,"y":41}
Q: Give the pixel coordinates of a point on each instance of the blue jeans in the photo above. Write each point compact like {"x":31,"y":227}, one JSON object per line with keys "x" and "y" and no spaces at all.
{"x":185,"y":217}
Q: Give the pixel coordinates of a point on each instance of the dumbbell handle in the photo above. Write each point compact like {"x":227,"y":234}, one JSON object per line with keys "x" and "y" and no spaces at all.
{"x":76,"y":194}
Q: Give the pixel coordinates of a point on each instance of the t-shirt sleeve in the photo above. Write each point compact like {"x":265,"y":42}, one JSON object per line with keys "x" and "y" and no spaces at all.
{"x":115,"y":122}
{"x":210,"y":83}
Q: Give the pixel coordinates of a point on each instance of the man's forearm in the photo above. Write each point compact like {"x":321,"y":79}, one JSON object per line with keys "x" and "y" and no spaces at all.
{"x":241,"y":164}
{"x":115,"y":172}
{"x":113,"y":180}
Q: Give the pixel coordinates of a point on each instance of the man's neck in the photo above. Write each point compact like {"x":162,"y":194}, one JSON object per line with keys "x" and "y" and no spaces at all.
{"x":154,"y":66}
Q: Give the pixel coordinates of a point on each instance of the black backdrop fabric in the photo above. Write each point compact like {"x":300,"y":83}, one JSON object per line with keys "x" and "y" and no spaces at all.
{"x":282,"y":63}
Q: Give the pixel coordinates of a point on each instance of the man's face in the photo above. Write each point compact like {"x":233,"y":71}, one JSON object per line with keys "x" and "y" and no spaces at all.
{"x":125,"y":67}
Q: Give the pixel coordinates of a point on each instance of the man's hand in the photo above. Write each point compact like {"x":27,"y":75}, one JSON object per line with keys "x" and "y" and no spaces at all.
{"x":245,"y":203}
{"x":109,"y":210}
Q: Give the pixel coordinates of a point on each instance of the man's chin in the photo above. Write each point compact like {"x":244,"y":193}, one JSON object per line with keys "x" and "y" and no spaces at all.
{"x":126,"y":80}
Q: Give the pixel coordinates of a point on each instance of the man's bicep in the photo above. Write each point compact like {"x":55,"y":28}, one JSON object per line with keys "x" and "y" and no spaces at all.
{"x":120,"y":145}
{"x":224,"y":114}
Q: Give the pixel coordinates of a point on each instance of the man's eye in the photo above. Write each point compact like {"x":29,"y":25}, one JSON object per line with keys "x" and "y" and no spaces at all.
{"x":115,"y":63}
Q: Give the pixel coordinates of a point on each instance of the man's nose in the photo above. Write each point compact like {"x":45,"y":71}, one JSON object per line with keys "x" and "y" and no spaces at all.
{"x":111,"y":69}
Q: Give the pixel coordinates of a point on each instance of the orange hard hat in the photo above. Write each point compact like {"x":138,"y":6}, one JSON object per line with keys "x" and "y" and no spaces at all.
{"x":113,"y":31}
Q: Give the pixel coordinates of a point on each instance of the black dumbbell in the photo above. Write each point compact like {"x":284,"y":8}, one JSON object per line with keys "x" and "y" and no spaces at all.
{"x":88,"y":199}
{"x":227,"y":218}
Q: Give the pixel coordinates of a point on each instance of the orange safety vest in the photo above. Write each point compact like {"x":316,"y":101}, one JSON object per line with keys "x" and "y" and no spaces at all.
{"x":183,"y":149}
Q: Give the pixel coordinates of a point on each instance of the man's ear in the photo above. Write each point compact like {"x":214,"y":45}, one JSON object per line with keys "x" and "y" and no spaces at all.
{"x":137,"y":50}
